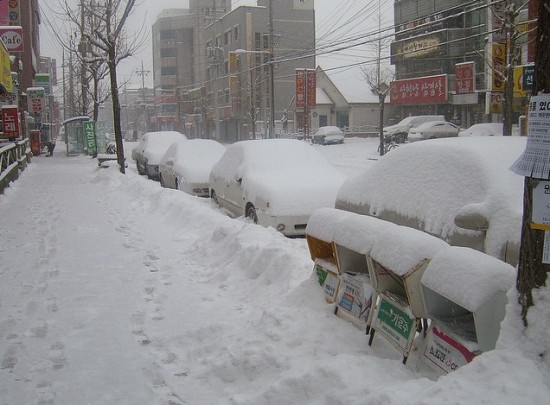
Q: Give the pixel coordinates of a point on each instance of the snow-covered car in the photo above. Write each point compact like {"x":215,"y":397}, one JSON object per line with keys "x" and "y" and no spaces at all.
{"x":186,"y":165}
{"x":328,"y":136}
{"x":151,"y":148}
{"x":433,"y":130}
{"x":398,"y":132}
{"x":276,"y":183}
{"x":458,"y":189}
{"x":485,"y":129}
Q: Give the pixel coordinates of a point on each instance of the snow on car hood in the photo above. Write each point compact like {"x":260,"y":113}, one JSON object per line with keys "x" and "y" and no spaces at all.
{"x":435,"y":180}
{"x":157,"y":143}
{"x":195,"y":158}
{"x":294,"y":193}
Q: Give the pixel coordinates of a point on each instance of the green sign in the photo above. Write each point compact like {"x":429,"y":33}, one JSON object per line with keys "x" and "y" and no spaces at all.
{"x":89,"y":133}
{"x":395,"y":323}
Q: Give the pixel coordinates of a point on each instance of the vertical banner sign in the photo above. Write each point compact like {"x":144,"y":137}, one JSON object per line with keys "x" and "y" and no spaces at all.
{"x":311,"y":87}
{"x":465,"y":78}
{"x":4,"y":12}
{"x":300,"y":88}
{"x":5,"y":70}
{"x":10,"y":121}
{"x":499,"y":66}
{"x":14,"y":10}
{"x":89,"y":133}
{"x":36,"y":99}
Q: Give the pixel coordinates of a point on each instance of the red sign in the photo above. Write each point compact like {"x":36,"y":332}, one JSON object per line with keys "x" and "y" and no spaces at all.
{"x":430,"y":89}
{"x":311,"y":88}
{"x":300,"y":88}
{"x":10,"y":121}
{"x":13,"y":38}
{"x":465,"y":78}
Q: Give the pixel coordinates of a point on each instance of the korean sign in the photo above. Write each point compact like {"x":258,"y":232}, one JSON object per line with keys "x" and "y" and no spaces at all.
{"x":444,"y":351}
{"x":535,"y":160}
{"x":430,"y":89}
{"x":36,"y":99}
{"x":306,"y":87}
{"x":10,"y":121}
{"x":465,"y":77}
{"x":396,"y":323}
{"x":89,"y":133}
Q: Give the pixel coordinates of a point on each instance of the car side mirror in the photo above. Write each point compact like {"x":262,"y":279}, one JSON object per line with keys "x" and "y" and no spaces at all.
{"x":239,"y":180}
{"x":471,"y":217}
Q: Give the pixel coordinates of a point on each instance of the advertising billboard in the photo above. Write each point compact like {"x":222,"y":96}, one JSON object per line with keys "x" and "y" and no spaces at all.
{"x":421,"y":90}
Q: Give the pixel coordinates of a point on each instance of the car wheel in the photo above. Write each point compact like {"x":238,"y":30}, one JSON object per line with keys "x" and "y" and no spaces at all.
{"x":213,"y":196}
{"x":176,"y":184}
{"x":251,"y":213}
{"x":161,"y":181}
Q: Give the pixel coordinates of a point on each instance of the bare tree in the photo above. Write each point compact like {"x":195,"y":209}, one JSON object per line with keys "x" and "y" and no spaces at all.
{"x":378,"y":78}
{"x":103,"y":44}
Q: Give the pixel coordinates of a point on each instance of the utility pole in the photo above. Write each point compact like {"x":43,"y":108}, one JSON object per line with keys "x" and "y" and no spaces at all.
{"x":144,"y":73}
{"x":532,"y":269}
{"x":512,"y":32}
{"x":271,"y":74}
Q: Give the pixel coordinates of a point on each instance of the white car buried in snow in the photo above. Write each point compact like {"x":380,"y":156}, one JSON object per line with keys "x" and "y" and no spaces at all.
{"x":275,"y":182}
{"x":186,"y":165}
{"x":151,"y":148}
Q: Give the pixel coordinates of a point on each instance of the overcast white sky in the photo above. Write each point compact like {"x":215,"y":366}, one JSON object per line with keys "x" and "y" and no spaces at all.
{"x":343,"y":18}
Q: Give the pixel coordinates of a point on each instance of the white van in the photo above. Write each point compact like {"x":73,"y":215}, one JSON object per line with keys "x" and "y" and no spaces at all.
{"x":400,"y":130}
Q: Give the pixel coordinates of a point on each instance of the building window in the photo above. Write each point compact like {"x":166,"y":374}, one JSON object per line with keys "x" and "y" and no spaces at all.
{"x":235,"y":33}
{"x":167,"y":52}
{"x":226,"y":37}
{"x":167,"y":34}
{"x":168,"y":71}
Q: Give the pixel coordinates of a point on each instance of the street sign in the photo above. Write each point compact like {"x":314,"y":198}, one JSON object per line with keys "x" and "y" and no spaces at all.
{"x":10,"y":121}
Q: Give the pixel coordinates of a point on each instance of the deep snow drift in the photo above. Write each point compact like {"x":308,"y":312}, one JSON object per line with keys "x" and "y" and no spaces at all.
{"x":114,"y":290}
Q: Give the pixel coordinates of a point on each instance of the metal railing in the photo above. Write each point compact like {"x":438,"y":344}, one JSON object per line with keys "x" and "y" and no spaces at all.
{"x":14,"y":157}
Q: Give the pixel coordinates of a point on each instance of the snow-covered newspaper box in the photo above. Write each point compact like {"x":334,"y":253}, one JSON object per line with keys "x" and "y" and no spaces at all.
{"x":339,"y":243}
{"x":464,"y":292}
{"x":320,"y":240}
{"x":396,"y":263}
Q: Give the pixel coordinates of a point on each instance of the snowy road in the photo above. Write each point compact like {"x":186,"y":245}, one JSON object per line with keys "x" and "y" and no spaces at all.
{"x":116,"y":291}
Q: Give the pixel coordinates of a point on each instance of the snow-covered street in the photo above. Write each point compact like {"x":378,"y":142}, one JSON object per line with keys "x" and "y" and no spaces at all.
{"x":114,"y":290}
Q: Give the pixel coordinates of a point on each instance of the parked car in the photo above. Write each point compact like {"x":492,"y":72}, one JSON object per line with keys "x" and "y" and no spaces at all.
{"x":433,"y":130}
{"x":151,"y":148}
{"x":458,"y":189}
{"x":398,"y":132}
{"x":328,"y":136}
{"x":186,"y":165}
{"x":275,"y":182}
{"x":485,"y":129}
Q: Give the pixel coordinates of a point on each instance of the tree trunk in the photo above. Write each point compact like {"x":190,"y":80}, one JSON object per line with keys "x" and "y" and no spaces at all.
{"x":116,"y":110}
{"x":381,"y":126}
{"x":532,"y":273}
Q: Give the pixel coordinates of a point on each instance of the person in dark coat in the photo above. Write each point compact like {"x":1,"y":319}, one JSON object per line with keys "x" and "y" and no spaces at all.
{"x":51,"y":147}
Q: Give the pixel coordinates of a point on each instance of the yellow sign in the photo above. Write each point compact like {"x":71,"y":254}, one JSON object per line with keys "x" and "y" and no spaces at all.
{"x":499,"y":66}
{"x":5,"y":69}
{"x":233,"y":62}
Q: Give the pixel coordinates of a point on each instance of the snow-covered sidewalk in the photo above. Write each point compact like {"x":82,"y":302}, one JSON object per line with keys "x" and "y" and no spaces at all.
{"x":116,"y":291}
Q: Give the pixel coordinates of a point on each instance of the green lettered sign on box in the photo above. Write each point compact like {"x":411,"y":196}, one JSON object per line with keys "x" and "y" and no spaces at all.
{"x":396,"y":323}
{"x":89,"y":133}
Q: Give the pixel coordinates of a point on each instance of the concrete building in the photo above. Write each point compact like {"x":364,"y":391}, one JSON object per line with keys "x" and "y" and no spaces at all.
{"x":179,"y":57}
{"x":447,"y":57}
{"x":238,"y":85}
